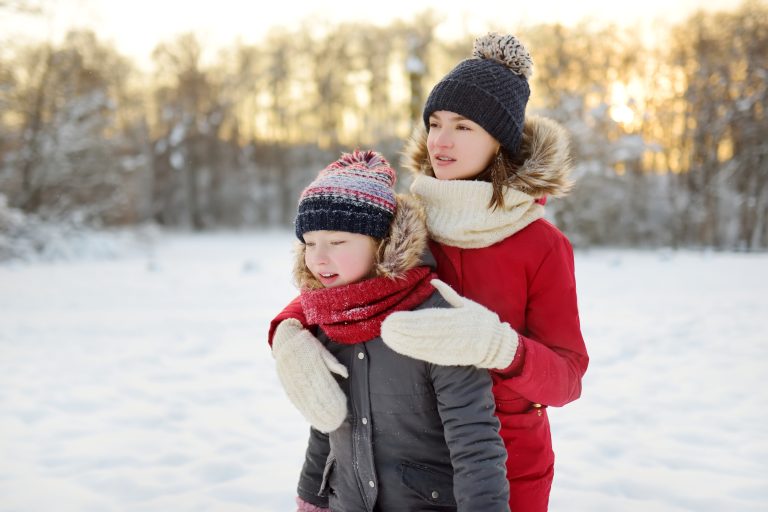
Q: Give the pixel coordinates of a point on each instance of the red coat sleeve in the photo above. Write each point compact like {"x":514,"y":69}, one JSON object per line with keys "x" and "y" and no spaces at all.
{"x":552,"y":357}
{"x":292,"y":310}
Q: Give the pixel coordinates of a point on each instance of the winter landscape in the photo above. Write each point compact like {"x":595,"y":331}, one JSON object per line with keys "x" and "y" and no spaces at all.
{"x":148,"y":179}
{"x":135,"y":376}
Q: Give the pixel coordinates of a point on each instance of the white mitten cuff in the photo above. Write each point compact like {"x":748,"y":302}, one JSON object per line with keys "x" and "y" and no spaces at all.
{"x":502,"y":349}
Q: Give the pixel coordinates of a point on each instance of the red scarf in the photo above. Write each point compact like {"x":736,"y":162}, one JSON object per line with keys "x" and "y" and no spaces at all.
{"x":353,"y":313}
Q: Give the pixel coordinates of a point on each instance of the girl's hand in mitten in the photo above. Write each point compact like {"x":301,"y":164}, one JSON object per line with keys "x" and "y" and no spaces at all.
{"x":467,"y":334}
{"x":304,"y":367}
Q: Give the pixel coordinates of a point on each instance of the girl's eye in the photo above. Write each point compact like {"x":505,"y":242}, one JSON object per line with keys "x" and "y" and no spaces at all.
{"x":462,"y":127}
{"x":432,"y":124}
{"x":337,"y":242}
{"x":309,"y":244}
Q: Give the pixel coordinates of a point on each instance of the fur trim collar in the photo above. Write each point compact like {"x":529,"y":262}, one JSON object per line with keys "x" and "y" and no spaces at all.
{"x":545,"y":149}
{"x":400,"y":251}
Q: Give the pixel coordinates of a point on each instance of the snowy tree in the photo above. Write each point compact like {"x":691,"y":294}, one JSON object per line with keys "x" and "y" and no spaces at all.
{"x":723,"y":63}
{"x":190,"y":113}
{"x":63,"y":161}
{"x":668,"y":141}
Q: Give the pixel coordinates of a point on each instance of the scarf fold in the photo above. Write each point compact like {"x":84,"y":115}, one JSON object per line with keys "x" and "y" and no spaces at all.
{"x":458,"y":213}
{"x":353,"y":313}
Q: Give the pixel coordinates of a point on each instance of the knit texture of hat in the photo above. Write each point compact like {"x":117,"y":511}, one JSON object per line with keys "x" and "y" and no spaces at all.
{"x":491,"y":88}
{"x":353,"y":194}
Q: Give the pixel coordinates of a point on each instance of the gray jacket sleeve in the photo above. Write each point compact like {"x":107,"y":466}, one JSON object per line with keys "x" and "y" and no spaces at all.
{"x":311,"y":478}
{"x":466,"y":406}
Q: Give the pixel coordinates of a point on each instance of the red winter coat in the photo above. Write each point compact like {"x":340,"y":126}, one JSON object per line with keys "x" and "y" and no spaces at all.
{"x":528,"y":279}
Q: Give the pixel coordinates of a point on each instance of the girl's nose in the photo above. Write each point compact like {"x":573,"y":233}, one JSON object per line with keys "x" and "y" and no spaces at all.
{"x":320,"y":255}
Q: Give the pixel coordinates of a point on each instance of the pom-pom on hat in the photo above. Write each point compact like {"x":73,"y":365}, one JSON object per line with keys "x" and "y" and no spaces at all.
{"x":490,"y":88}
{"x":354,"y":194}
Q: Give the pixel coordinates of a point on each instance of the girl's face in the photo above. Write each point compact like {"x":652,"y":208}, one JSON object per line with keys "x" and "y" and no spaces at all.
{"x":458,"y":148}
{"x":336,"y":258}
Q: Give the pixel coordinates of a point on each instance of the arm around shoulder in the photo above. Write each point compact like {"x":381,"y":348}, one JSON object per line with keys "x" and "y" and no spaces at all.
{"x":442,"y":336}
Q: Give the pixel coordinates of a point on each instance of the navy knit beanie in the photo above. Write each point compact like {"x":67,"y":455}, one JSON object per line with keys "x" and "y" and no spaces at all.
{"x":491,"y":89}
{"x":354,"y":194}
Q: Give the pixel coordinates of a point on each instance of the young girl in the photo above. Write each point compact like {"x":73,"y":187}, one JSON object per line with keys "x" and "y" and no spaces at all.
{"x":483,"y":173}
{"x":417,"y":436}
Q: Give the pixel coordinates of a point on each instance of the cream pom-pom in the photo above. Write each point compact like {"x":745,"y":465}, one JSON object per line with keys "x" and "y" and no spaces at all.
{"x":505,"y":49}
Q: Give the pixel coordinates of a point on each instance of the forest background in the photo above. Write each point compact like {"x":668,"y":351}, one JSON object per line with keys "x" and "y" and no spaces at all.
{"x":668,"y":132}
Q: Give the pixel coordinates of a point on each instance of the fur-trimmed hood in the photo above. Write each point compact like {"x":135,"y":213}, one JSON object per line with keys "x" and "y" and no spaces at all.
{"x":545,"y":149}
{"x":400,"y":251}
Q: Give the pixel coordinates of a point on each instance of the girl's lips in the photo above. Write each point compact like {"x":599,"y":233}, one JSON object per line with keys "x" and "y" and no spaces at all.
{"x":327,"y":280}
{"x":442,"y":163}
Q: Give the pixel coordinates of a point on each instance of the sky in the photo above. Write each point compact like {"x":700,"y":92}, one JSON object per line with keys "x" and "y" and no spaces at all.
{"x":135,"y":377}
{"x":136,"y":27}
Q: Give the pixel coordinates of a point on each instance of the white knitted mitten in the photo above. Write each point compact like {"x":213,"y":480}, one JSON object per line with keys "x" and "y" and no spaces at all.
{"x":304,"y":367}
{"x":467,"y":334}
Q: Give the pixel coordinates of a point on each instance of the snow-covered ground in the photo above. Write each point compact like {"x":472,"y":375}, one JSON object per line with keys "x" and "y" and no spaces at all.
{"x":144,"y":382}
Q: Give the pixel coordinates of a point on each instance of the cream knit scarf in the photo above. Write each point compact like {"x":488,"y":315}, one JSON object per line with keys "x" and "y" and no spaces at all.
{"x":458,"y":214}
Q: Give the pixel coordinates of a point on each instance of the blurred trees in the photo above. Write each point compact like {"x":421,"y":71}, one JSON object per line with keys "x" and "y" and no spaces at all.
{"x":187,"y":120}
{"x":59,"y":126}
{"x":723,"y":68}
{"x":669,"y":140}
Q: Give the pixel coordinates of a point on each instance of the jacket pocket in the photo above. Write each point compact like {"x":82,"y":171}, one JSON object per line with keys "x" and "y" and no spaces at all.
{"x":325,"y":486}
{"x":430,"y":485}
{"x":517,"y":405}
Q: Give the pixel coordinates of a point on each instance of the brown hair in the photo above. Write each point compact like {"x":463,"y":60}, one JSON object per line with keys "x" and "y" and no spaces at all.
{"x":499,"y":173}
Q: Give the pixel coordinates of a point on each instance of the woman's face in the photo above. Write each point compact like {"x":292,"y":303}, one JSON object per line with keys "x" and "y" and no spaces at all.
{"x":458,"y":148}
{"x":336,"y":258}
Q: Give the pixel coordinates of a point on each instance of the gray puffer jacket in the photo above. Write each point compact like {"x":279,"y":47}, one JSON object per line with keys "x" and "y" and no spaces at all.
{"x":417,"y":437}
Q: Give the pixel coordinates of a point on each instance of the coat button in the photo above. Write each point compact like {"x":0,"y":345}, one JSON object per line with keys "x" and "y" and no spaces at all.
{"x":360,"y":355}
{"x":435,"y":495}
{"x":365,"y":421}
{"x":370,"y":482}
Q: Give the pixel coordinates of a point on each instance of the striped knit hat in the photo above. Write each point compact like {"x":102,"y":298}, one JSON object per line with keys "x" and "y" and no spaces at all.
{"x":354,"y":194}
